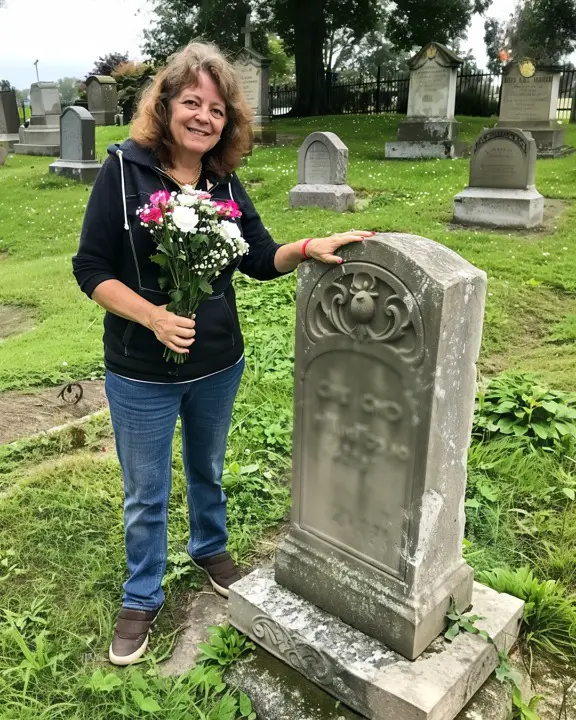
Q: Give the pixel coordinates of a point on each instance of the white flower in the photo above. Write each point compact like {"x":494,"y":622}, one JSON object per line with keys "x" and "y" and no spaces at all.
{"x":186,"y":219}
{"x":186,"y":200}
{"x":231,"y":230}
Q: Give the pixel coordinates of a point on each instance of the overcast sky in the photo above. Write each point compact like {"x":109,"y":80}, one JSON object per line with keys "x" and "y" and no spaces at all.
{"x":67,"y":36}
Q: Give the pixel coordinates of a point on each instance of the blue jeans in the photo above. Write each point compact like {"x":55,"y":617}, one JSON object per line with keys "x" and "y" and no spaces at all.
{"x":144,"y":419}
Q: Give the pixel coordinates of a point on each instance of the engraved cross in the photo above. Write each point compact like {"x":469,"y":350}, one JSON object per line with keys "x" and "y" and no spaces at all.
{"x":247,"y":30}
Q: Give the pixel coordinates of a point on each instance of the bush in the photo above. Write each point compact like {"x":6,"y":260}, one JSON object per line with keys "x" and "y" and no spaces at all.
{"x":515,"y":404}
{"x":129,"y":76}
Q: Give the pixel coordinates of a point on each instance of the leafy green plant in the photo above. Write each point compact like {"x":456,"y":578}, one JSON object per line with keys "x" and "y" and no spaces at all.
{"x":515,"y":404}
{"x":549,"y":611}
{"x":225,"y":646}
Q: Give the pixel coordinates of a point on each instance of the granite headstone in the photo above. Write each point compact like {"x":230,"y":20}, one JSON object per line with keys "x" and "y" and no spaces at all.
{"x":9,"y":118}
{"x":322,"y":168}
{"x":529,"y":101}
{"x":78,"y":146}
{"x":42,"y":136}
{"x":102,"y":94}
{"x":501,"y":190}
{"x":430,"y":129}
{"x":385,"y":379}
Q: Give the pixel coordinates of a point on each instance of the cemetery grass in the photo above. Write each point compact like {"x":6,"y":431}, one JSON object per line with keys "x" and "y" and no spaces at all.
{"x":61,"y":550}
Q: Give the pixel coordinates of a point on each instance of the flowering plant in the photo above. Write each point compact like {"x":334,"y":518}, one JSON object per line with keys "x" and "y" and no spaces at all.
{"x":196,"y":239}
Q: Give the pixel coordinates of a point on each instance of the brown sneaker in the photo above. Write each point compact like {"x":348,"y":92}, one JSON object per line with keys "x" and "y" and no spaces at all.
{"x":131,"y":635}
{"x":221,"y":571}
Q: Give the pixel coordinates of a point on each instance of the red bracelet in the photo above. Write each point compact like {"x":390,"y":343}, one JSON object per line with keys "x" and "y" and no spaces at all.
{"x":304,"y":244}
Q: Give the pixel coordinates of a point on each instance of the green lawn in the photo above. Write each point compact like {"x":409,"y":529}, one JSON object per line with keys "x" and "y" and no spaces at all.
{"x":61,"y":552}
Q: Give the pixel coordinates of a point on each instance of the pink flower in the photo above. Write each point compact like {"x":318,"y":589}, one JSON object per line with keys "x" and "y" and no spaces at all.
{"x":227,"y":208}
{"x":160,"y":197}
{"x":151,"y":215}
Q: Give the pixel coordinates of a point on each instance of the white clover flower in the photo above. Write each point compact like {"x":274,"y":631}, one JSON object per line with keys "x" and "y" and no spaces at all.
{"x":185,"y":218}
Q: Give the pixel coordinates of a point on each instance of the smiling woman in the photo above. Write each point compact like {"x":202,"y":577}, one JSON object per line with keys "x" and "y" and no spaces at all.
{"x":191,"y":129}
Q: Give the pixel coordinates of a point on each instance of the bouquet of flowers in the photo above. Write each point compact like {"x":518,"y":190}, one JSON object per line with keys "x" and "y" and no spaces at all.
{"x":196,"y":239}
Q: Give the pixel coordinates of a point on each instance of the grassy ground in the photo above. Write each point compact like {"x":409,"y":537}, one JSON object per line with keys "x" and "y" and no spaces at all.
{"x":61,"y":553}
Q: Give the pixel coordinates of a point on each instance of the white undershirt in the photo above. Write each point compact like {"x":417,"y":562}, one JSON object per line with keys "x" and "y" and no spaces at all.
{"x":180,"y":382}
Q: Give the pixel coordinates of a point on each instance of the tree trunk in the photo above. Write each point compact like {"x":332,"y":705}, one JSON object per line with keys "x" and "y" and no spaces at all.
{"x":309,"y":35}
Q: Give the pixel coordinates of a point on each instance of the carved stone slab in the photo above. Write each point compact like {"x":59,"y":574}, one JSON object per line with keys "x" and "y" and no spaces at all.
{"x":78,"y":146}
{"x":386,"y":346}
{"x":503,"y":158}
{"x":102,"y":92}
{"x":362,"y":672}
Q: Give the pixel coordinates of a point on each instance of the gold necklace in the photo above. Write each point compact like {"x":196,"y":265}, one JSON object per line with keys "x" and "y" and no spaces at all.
{"x":193,"y":181}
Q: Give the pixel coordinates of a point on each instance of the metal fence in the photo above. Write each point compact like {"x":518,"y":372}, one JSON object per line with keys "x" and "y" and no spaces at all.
{"x":476,"y":94}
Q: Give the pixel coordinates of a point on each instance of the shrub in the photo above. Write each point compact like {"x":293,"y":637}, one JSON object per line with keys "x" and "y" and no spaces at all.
{"x":129,"y":76}
{"x":515,"y":404}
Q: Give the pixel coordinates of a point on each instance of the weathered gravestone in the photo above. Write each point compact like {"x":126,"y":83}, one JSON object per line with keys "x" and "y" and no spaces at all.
{"x":78,"y":144}
{"x":42,"y":136}
{"x":102,"y":94}
{"x":253,"y":71}
{"x":322,"y":168}
{"x":430,"y":129}
{"x":501,"y":190}
{"x":3,"y":155}
{"x":385,"y":374}
{"x":529,"y":101}
{"x":9,"y":118}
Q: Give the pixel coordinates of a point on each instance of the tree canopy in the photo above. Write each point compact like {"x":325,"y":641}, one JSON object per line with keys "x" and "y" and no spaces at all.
{"x":544,"y":30}
{"x":106,"y":64}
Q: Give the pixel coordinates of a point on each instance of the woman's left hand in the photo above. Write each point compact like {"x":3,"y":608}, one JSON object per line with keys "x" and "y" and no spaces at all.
{"x":323,"y":249}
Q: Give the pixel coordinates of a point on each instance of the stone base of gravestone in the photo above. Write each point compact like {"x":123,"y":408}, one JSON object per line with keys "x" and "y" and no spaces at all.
{"x":3,"y":155}
{"x":499,"y":207}
{"x":361,"y":671}
{"x":39,"y":141}
{"x":428,"y":130}
{"x":549,"y":137}
{"x":8,"y":140}
{"x":103,"y":117}
{"x":264,"y":135}
{"x":338,"y":198}
{"x":422,"y":150}
{"x":84,"y":172}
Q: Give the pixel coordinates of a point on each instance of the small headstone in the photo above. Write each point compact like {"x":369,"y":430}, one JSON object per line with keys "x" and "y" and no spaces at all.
{"x":430,"y":129}
{"x":253,"y":71}
{"x":102,"y":94}
{"x":529,"y":101}
{"x":501,"y":190}
{"x":42,"y":135}
{"x":322,"y":167}
{"x":9,"y":118}
{"x":3,"y":155}
{"x":385,"y":380}
{"x":78,"y":143}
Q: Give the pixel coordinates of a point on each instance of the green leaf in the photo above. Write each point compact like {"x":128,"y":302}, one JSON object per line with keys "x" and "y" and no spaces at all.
{"x":452,"y":632}
{"x":176,"y":295}
{"x":245,"y":704}
{"x":205,"y":286}
{"x":569,"y":492}
{"x":159,"y":259}
{"x":472,"y":503}
{"x":150,"y":705}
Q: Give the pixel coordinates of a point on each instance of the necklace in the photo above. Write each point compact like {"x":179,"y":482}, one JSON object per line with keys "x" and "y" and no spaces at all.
{"x":193,"y":180}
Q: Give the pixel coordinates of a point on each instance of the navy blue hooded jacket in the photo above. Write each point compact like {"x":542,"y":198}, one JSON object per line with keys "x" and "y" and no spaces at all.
{"x":114,"y":245}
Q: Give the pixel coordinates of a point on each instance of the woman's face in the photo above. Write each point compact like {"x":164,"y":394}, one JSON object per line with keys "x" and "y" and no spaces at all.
{"x":198,"y":116}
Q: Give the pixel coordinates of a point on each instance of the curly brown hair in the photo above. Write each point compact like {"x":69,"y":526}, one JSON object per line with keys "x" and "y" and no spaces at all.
{"x":151,"y":124}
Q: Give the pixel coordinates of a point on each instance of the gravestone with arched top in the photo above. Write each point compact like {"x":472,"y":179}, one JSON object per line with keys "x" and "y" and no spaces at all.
{"x":78,"y":146}
{"x":322,"y":168}
{"x":102,"y":94}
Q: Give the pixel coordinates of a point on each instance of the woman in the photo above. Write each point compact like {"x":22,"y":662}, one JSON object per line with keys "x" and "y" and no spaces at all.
{"x":192,"y":127}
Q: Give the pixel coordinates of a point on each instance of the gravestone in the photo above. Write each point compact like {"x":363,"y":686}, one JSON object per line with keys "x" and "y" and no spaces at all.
{"x":102,"y":94}
{"x":386,"y":346}
{"x":9,"y":119}
{"x":42,"y":136}
{"x":430,"y":129}
{"x":501,"y":190}
{"x":3,"y":155}
{"x":322,"y":167}
{"x":253,"y":71}
{"x":78,"y":146}
{"x":529,"y":101}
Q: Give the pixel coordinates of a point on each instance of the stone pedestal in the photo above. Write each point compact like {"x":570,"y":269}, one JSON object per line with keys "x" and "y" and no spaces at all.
{"x":529,"y":101}
{"x":42,"y":136}
{"x":430,"y":130}
{"x":322,"y":169}
{"x":501,"y":191}
{"x":363,"y":672}
{"x":254,"y":71}
{"x":102,"y":94}
{"x":78,"y":142}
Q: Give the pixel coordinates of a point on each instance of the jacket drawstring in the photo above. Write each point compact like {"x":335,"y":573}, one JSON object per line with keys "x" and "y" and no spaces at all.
{"x":120,"y":154}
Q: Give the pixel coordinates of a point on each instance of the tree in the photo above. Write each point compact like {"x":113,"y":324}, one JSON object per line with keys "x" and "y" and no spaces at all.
{"x":68,"y":87}
{"x":413,"y":23}
{"x":281,"y":64}
{"x":496,"y":44}
{"x":177,"y":22}
{"x":544,"y":30}
{"x":6,"y":85}
{"x":106,"y":64}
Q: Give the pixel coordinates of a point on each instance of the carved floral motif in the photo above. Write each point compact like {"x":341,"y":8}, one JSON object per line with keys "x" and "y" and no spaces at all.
{"x":370,"y":305}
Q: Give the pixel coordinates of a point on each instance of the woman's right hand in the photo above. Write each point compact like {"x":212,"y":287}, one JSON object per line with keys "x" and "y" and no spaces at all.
{"x":176,"y":332}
